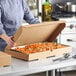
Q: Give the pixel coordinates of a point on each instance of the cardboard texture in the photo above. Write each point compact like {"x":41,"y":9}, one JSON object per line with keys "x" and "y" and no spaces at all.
{"x":43,"y":32}
{"x":5,"y":59}
{"x":38,"y":32}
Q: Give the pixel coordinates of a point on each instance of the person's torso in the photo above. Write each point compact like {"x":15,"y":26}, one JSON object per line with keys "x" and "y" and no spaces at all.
{"x":12,"y":15}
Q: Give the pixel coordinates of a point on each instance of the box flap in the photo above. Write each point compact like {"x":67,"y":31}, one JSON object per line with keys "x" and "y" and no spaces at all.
{"x":5,"y":59}
{"x":46,"y":31}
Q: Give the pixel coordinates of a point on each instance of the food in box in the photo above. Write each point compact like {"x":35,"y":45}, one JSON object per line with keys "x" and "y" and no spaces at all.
{"x":38,"y":47}
{"x":37,"y":51}
{"x":38,"y":35}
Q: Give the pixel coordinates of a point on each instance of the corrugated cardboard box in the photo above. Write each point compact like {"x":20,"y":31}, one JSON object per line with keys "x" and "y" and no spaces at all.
{"x":43,"y":32}
{"x":5,"y":59}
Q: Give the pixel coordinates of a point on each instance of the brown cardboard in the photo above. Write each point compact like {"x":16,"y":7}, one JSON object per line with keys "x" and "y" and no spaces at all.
{"x":61,"y":51}
{"x":38,"y":32}
{"x":43,"y":32}
{"x":5,"y":59}
{"x":40,"y":55}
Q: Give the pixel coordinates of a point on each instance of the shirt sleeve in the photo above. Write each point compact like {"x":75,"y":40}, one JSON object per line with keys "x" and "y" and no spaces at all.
{"x":28,"y":16}
{"x":1,"y":25}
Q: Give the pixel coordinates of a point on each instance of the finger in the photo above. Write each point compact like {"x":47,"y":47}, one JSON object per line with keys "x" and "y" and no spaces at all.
{"x":11,"y":43}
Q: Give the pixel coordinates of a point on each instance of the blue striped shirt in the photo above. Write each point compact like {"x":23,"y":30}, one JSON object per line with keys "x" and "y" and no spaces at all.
{"x":12,"y":13}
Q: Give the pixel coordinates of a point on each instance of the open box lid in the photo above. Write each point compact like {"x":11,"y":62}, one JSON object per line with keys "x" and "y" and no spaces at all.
{"x":46,"y":31}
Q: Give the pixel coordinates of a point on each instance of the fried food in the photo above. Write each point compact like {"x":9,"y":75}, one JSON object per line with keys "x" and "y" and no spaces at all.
{"x":39,"y":47}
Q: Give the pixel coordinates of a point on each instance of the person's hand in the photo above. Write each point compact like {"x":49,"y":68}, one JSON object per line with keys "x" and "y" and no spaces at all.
{"x":9,"y":40}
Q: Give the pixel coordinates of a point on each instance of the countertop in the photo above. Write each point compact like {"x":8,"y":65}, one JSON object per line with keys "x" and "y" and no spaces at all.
{"x":21,"y":67}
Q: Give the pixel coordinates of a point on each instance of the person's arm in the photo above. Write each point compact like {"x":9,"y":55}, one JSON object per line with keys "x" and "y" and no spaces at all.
{"x":3,"y":35}
{"x":28,"y":16}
